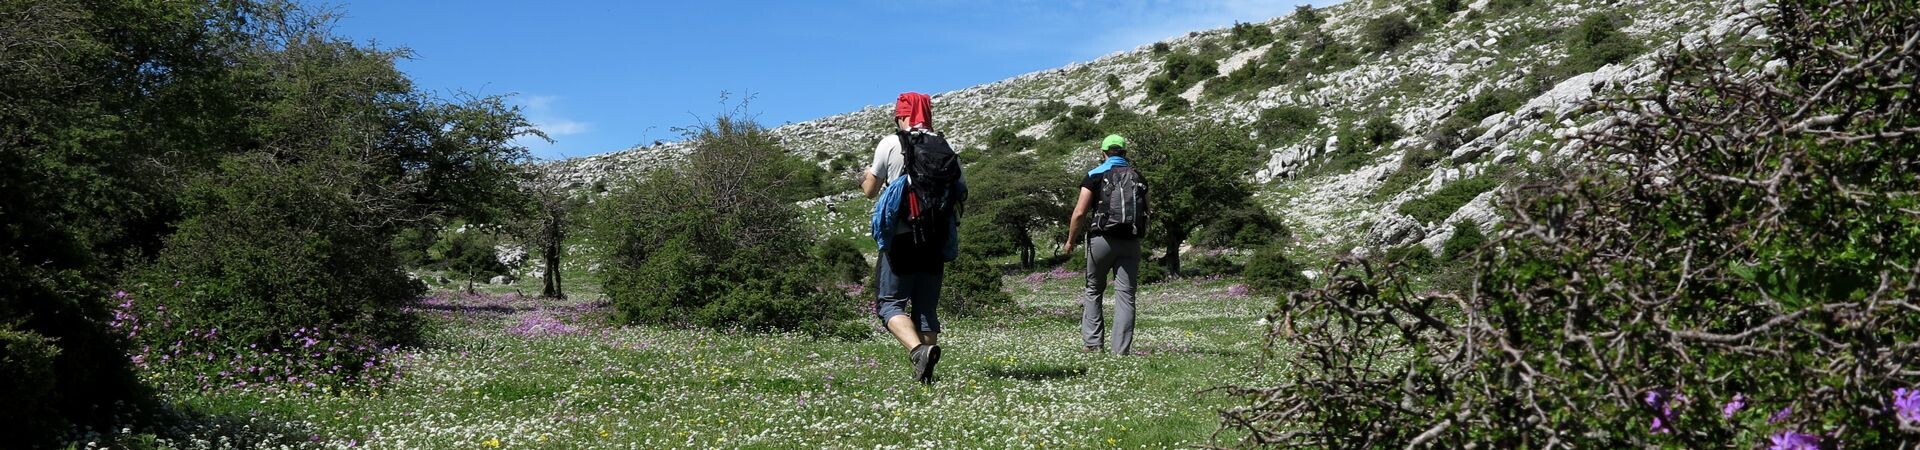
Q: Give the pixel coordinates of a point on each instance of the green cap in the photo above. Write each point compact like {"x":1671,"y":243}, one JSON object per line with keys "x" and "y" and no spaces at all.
{"x":1113,"y":141}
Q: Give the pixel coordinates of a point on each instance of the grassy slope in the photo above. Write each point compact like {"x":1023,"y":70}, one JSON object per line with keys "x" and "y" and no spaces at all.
{"x":1011,"y":381}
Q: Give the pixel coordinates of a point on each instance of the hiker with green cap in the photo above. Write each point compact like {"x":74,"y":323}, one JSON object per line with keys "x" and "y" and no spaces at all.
{"x":1113,"y":207}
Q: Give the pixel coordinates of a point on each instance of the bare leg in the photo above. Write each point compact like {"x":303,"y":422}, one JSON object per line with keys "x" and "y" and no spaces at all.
{"x":902,"y":328}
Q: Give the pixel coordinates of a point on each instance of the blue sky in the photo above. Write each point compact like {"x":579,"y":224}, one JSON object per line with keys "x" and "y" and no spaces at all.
{"x":601,"y":76}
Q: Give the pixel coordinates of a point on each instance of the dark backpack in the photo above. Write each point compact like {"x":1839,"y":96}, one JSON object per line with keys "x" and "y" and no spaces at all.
{"x":932,"y":199}
{"x":1121,"y":208}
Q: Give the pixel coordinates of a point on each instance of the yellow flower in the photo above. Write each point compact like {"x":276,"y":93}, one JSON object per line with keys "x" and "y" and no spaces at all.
{"x":492,"y":442}
{"x":1112,"y":441}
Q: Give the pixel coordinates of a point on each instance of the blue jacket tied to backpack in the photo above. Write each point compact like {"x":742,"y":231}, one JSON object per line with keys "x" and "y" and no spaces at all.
{"x":886,"y":215}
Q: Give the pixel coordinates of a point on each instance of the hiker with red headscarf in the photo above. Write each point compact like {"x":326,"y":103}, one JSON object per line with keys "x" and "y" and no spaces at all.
{"x":917,"y":188}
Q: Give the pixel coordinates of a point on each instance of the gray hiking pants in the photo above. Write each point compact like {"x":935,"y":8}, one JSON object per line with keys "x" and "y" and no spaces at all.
{"x":1106,"y":255}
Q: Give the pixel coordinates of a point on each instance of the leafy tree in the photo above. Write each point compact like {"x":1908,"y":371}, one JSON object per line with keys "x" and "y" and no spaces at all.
{"x":1012,"y":197}
{"x":1196,"y":171}
{"x":545,"y":223}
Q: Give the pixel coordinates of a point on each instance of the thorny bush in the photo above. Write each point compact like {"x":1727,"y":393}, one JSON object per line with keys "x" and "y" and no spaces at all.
{"x":1735,"y":267}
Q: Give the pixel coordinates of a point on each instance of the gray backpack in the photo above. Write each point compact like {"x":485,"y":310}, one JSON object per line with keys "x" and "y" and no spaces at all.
{"x":1121,"y":209}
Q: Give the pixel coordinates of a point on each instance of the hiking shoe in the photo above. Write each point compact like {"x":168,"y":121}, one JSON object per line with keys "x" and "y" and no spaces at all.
{"x":933,"y":359}
{"x":922,"y":362}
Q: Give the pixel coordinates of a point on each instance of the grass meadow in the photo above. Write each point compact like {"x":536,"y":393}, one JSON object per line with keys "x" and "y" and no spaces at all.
{"x":505,"y":371}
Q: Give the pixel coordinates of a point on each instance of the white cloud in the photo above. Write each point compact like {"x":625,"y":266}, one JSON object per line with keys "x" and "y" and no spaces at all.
{"x":562,"y":127}
{"x":543,"y":112}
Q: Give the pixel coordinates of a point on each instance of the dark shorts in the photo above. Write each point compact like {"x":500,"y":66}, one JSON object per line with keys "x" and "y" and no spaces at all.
{"x":909,"y":279}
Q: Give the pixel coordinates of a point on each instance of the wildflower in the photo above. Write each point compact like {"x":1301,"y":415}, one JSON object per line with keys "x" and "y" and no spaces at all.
{"x":1658,"y":400}
{"x":1789,"y":440}
{"x":1733,"y":406}
{"x":1782,"y":415}
{"x":1238,"y":290}
{"x":119,"y":294}
{"x":1906,"y":405}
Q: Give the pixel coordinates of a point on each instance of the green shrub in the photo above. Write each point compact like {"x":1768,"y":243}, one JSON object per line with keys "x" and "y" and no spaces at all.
{"x":1161,"y":48}
{"x":1179,"y":72}
{"x":27,"y":363}
{"x":1449,"y":135}
{"x":1271,"y":272}
{"x":1307,"y":16}
{"x":1050,"y":109}
{"x":1489,"y":103}
{"x":841,"y":260}
{"x":983,"y":237}
{"x":1084,"y":111}
{"x":1244,"y":227}
{"x":1254,"y":76}
{"x":1074,"y":128}
{"x":272,"y":253}
{"x":1648,"y":302}
{"x":1248,"y":35}
{"x":1413,"y":258}
{"x":973,"y":286}
{"x":1004,"y":140}
{"x":701,"y":244}
{"x":1211,"y":264}
{"x":1321,"y":53}
{"x":1286,"y":123}
{"x":1114,"y":117}
{"x":1112,"y":81}
{"x":1152,"y":272}
{"x":1447,"y":6}
{"x":1466,"y":239}
{"x":1597,"y":41}
{"x":1173,"y":105}
{"x":1387,"y":32}
{"x":1380,"y":130}
{"x":1442,"y":203}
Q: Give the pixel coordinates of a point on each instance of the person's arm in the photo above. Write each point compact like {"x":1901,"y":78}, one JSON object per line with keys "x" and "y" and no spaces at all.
{"x":1079,"y":217}
{"x":870,"y":186}
{"x":872,"y":183}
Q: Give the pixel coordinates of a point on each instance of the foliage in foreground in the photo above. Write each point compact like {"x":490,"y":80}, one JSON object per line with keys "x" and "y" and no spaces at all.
{"x":233,"y":161}
{"x":1737,"y":268}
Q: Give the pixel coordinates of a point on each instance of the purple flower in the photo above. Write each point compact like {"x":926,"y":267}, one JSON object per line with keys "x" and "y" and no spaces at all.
{"x":1906,"y":405}
{"x":1789,"y":440}
{"x":1781,"y":415}
{"x":1734,"y":406}
{"x":119,"y":294}
{"x":1238,"y":290}
{"x":1658,"y":400}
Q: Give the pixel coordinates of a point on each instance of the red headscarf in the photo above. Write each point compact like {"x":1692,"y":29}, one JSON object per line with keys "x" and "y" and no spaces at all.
{"x":915,"y":106}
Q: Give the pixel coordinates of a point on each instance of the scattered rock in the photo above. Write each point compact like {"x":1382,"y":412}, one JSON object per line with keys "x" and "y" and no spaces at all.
{"x":1394,"y":230}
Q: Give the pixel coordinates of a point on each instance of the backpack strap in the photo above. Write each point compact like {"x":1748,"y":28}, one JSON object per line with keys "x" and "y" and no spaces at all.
{"x":906,"y":150}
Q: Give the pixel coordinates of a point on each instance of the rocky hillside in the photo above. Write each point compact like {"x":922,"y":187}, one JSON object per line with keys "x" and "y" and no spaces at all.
{"x":1478,"y":89}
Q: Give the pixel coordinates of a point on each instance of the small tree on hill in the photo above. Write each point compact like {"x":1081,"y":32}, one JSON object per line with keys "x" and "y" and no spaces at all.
{"x":1196,"y":172}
